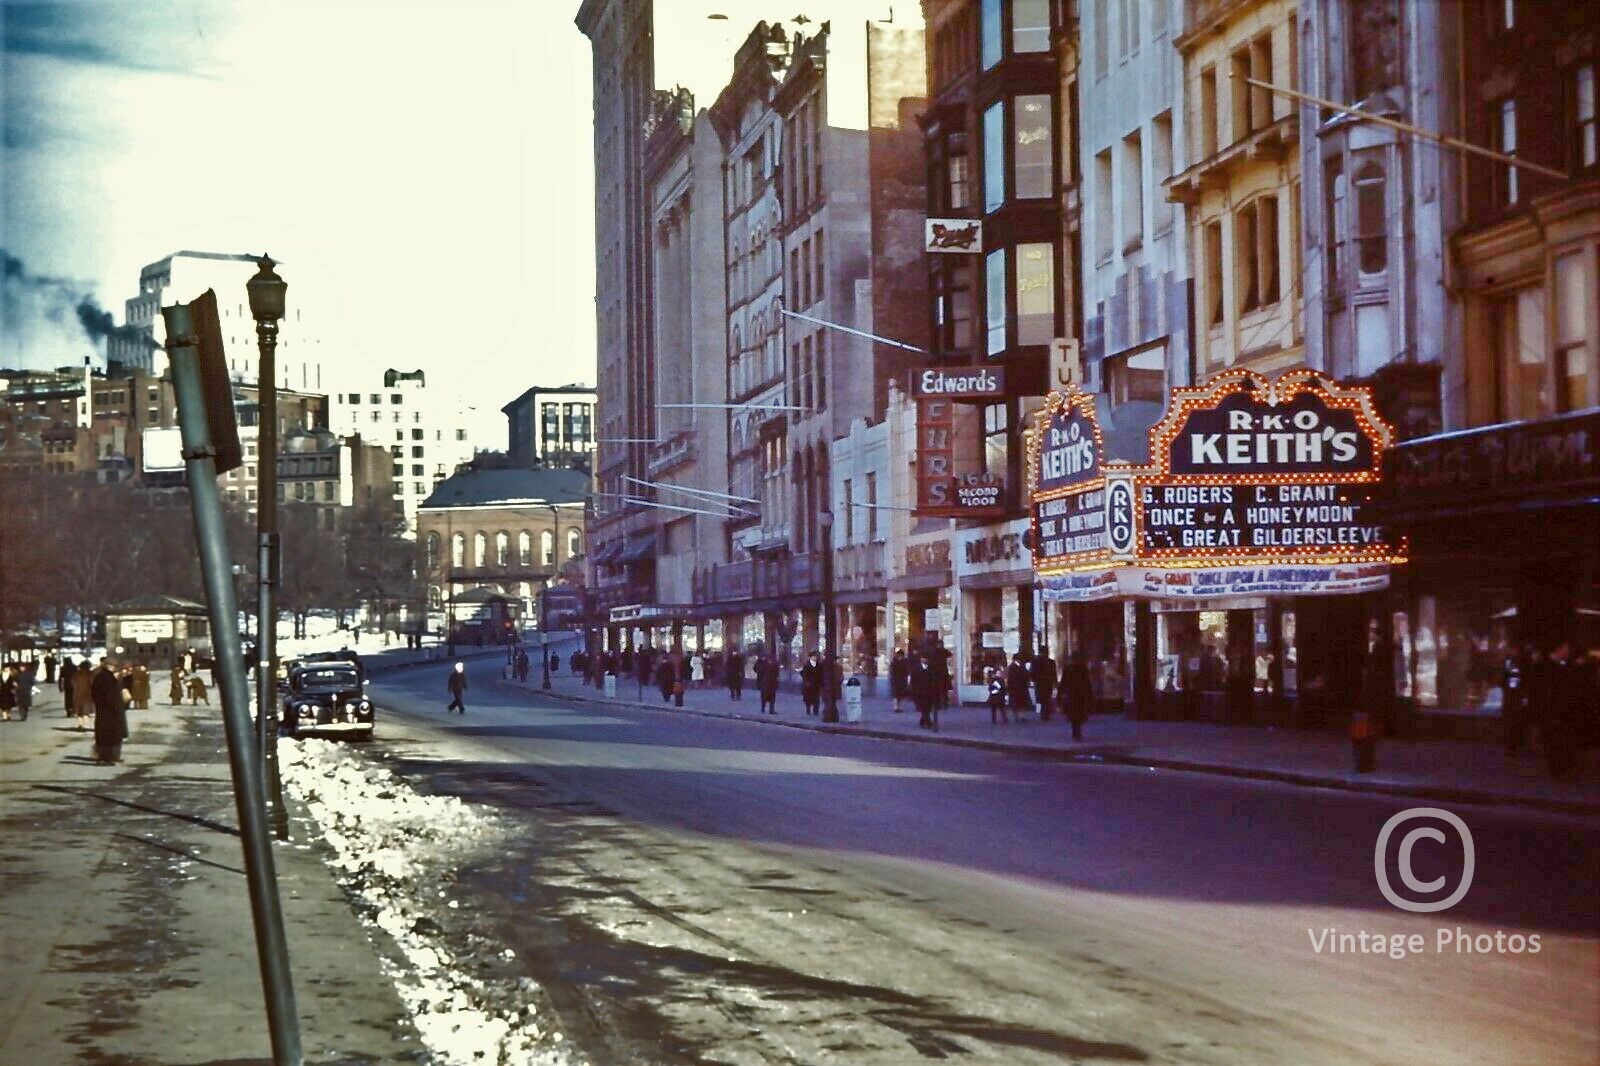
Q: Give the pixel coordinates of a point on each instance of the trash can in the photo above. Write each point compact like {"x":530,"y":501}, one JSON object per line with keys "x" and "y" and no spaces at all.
{"x":611,"y":686}
{"x":852,"y":699}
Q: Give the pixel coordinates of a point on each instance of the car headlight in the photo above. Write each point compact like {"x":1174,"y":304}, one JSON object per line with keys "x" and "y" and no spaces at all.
{"x":365,"y":705}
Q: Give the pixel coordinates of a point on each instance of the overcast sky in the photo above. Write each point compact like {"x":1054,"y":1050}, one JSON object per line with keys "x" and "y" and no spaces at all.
{"x":422,"y":169}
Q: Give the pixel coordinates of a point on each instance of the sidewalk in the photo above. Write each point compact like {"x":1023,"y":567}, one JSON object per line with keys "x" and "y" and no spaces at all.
{"x":125,"y":930}
{"x":1447,"y":771}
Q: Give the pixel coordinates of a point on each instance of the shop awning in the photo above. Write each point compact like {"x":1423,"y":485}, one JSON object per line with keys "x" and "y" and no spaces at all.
{"x":998,"y":579}
{"x":920,"y":582}
{"x":1212,"y":584}
{"x":607,"y":553}
{"x":638,"y":548}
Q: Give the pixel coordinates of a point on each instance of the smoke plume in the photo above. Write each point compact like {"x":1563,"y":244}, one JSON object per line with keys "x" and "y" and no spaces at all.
{"x":48,"y":322}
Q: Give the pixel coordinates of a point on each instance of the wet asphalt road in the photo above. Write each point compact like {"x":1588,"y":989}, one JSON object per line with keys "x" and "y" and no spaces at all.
{"x":695,"y":889}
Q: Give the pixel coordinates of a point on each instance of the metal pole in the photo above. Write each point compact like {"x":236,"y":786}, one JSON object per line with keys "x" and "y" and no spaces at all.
{"x":267,"y":547}
{"x":212,"y":538}
{"x":830,"y":661}
{"x":1408,"y":128}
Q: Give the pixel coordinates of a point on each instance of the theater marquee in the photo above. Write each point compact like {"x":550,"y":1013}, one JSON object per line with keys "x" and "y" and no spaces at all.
{"x":1242,"y":472}
{"x":1250,"y":468}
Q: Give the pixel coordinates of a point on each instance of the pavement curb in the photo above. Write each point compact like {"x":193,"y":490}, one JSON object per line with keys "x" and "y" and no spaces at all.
{"x":1119,"y":757}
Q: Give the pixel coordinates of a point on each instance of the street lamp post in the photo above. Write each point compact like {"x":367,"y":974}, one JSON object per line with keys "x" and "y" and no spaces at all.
{"x":267,"y":292}
{"x":830,"y":657}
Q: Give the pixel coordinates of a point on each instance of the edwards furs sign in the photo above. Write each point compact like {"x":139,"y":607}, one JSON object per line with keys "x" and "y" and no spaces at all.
{"x":959,"y":382}
{"x":1284,"y":469}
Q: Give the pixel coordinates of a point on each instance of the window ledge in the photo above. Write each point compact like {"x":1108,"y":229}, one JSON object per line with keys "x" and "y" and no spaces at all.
{"x":1133,"y":246}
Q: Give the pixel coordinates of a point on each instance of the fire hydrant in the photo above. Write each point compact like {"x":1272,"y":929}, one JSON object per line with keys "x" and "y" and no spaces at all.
{"x":1364,"y":741}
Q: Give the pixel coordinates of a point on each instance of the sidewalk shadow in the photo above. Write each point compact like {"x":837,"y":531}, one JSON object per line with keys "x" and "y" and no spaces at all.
{"x":193,"y":819}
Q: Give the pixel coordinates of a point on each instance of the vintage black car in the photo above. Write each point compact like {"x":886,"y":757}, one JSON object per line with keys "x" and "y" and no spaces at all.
{"x":327,"y":697}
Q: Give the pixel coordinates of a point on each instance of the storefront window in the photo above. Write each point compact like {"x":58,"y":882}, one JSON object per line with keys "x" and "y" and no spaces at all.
{"x":1451,"y":651}
{"x":985,"y":634}
{"x":753,"y":634}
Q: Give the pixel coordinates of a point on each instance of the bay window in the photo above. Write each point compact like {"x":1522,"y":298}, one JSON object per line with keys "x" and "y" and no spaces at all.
{"x":994,"y":266}
{"x":1030,"y":26}
{"x":989,"y":33}
{"x":1032,"y":147}
{"x":1036,"y":310}
{"x":994,"y":157}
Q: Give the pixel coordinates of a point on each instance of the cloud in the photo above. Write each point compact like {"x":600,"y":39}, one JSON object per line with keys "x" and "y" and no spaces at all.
{"x":81,"y":33}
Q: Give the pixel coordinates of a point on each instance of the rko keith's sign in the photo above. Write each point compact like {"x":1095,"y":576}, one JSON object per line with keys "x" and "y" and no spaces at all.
{"x":1247,"y":467}
{"x":1066,"y":483}
{"x":1247,"y":431}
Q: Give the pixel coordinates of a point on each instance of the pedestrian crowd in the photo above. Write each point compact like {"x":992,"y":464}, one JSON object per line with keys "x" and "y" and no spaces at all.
{"x":97,"y":697}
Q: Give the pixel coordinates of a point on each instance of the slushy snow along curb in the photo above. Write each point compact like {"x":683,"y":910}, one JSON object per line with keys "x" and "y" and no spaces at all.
{"x":397,"y":852}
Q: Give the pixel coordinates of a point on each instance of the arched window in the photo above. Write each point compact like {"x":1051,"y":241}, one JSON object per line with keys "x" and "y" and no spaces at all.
{"x":1371,"y":224}
{"x":574,"y":543}
{"x":547,"y":547}
{"x":480,"y":549}
{"x":433,"y":551}
{"x":502,"y":549}
{"x":458,"y":549}
{"x":525,"y":548}
{"x":435,"y":598}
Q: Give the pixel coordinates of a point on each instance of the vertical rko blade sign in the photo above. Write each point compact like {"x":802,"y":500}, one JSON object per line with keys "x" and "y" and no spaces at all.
{"x":1067,"y":484}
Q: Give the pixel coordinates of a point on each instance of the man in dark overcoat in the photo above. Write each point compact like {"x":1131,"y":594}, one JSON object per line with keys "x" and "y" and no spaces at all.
{"x":1045,"y":679}
{"x":736,"y":674}
{"x":68,"y":669}
{"x":1076,"y":692}
{"x":110,"y":714}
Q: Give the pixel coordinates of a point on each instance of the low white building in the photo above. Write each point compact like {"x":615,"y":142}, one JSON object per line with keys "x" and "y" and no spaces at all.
{"x":859,"y":462}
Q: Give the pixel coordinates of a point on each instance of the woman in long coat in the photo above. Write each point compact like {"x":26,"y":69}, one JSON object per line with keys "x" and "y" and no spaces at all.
{"x":110,"y":715}
{"x":83,"y":695}
{"x":899,"y":677}
{"x":141,"y":687}
{"x":8,"y":692}
{"x":175,"y":682}
{"x":666,"y":677}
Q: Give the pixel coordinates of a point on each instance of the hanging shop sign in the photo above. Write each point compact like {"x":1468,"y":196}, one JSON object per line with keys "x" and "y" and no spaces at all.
{"x":560,"y":607}
{"x":138,"y":630}
{"x":942,"y":491}
{"x":959,"y":382}
{"x":1067,"y":483}
{"x":1269,"y":470}
{"x":953,"y":236}
{"x":1552,"y":458}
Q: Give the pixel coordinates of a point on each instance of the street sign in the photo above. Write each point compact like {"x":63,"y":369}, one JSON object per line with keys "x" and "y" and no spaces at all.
{"x":215,"y":382}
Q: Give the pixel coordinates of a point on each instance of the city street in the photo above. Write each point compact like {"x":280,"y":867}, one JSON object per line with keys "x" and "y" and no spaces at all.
{"x":687,"y":888}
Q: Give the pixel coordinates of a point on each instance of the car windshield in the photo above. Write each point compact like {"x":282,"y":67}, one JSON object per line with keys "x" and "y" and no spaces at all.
{"x":327,"y":679}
